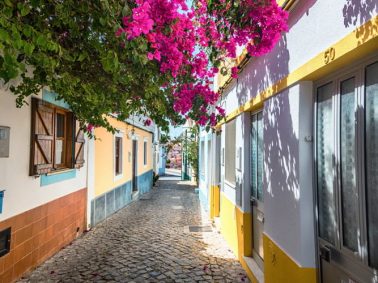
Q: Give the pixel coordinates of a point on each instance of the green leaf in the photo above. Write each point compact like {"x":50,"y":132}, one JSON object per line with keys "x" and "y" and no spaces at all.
{"x":82,"y":56}
{"x":29,"y":48}
{"x":41,"y":41}
{"x":4,"y":36}
{"x":8,"y":3}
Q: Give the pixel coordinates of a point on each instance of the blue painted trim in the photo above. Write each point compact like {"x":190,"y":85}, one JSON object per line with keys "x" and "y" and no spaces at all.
{"x":144,"y":182}
{"x":1,"y":201}
{"x":58,"y":177}
{"x":51,"y":97}
{"x":110,"y":202}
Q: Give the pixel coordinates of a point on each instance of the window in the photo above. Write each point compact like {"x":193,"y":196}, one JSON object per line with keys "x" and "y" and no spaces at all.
{"x":202,"y":157}
{"x":57,"y":140}
{"x":347,"y":163}
{"x":257,"y":156}
{"x":230,"y":152}
{"x":145,"y":153}
{"x":118,"y":155}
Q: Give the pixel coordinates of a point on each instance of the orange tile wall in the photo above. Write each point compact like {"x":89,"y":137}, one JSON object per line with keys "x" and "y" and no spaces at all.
{"x":39,"y":233}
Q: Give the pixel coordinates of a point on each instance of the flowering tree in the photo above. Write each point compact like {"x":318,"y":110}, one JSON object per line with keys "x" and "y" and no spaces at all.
{"x":150,"y":57}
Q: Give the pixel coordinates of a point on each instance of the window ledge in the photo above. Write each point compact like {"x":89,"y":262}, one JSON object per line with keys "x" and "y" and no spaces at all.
{"x":118,"y":177}
{"x":60,"y":171}
{"x":254,"y":268}
{"x":231,"y":185}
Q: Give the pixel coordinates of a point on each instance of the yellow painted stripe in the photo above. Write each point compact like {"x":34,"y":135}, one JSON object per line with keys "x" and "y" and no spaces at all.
{"x":279,"y":267}
{"x":356,"y":45}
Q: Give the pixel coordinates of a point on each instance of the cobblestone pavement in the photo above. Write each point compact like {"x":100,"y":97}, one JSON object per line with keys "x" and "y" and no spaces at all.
{"x":148,"y":241}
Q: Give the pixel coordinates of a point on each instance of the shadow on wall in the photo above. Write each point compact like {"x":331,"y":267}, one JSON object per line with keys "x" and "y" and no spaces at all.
{"x":281,"y":147}
{"x":267,"y":70}
{"x":358,"y":12}
{"x":263,"y":72}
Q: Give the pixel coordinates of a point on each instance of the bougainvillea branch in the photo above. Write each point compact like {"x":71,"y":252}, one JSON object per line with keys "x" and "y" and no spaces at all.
{"x":156,"y":58}
{"x":190,"y":43}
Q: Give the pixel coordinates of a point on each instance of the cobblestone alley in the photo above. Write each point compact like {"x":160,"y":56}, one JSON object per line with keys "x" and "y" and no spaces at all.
{"x":148,"y":241}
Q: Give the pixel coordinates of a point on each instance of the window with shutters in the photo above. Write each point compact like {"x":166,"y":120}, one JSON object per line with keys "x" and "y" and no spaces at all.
{"x":57,"y":141}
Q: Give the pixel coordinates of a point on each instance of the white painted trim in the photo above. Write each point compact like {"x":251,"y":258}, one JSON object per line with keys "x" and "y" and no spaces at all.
{"x":120,"y":134}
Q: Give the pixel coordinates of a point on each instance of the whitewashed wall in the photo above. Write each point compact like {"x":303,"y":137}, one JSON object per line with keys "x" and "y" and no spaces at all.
{"x":288,"y":170}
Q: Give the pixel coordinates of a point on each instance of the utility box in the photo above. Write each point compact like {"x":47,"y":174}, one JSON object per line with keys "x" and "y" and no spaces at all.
{"x":4,"y":141}
{"x":1,"y":201}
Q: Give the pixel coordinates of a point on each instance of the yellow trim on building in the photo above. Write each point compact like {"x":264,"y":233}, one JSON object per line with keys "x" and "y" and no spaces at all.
{"x":356,"y":45}
{"x":214,"y":201}
{"x":278,"y":267}
{"x":236,"y":228}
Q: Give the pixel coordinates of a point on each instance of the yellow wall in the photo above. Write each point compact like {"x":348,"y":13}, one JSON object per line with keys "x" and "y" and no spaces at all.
{"x":104,"y":156}
{"x":214,"y":201}
{"x":236,"y":228}
{"x":278,"y":267}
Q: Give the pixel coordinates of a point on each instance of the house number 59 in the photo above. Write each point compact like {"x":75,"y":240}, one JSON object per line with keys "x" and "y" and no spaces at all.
{"x":329,"y":55}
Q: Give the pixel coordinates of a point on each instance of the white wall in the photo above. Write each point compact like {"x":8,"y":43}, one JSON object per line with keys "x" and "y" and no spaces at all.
{"x":23,"y":192}
{"x":288,"y":185}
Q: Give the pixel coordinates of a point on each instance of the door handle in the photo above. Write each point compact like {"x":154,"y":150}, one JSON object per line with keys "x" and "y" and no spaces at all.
{"x":253,"y":201}
{"x":325,"y":253}
{"x":260,"y":218}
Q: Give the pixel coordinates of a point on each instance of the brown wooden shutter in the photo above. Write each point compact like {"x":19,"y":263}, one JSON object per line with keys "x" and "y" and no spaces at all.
{"x":42,"y":138}
{"x":78,"y":145}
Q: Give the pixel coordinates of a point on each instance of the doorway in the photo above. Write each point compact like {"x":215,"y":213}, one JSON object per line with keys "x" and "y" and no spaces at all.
{"x":347,"y":175}
{"x":257,"y":195}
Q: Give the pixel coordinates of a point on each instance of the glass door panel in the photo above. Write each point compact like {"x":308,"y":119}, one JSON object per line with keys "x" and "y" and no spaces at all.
{"x":349,"y":190}
{"x":257,"y":163}
{"x":325,"y":156}
{"x":371,"y":123}
{"x":253,"y":155}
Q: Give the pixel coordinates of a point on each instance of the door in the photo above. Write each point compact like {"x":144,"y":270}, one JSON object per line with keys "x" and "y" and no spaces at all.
{"x":346,"y":176}
{"x":218,"y":165}
{"x":257,"y":198}
{"x":135,"y":165}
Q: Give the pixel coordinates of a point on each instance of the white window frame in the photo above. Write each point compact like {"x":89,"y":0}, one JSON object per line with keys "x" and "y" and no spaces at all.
{"x":226,"y":181}
{"x":119,"y":134}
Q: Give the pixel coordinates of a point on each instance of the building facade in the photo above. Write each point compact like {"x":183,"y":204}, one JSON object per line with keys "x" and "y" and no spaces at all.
{"x":43,"y":179}
{"x":56,"y":183}
{"x":123,"y":167}
{"x":290,"y":175}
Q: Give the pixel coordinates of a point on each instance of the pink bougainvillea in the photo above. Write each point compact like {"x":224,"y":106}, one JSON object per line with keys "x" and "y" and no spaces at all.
{"x":189,"y":44}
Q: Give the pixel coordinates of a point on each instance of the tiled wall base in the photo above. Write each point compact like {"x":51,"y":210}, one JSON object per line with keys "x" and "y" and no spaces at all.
{"x":144,"y":182}
{"x":106,"y":204}
{"x":39,"y":233}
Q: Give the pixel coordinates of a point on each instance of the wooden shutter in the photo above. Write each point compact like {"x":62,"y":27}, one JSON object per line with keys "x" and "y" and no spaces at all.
{"x":42,"y":138}
{"x":78,"y":145}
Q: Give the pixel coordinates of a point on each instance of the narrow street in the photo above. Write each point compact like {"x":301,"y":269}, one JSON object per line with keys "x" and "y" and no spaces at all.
{"x":148,"y":241}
